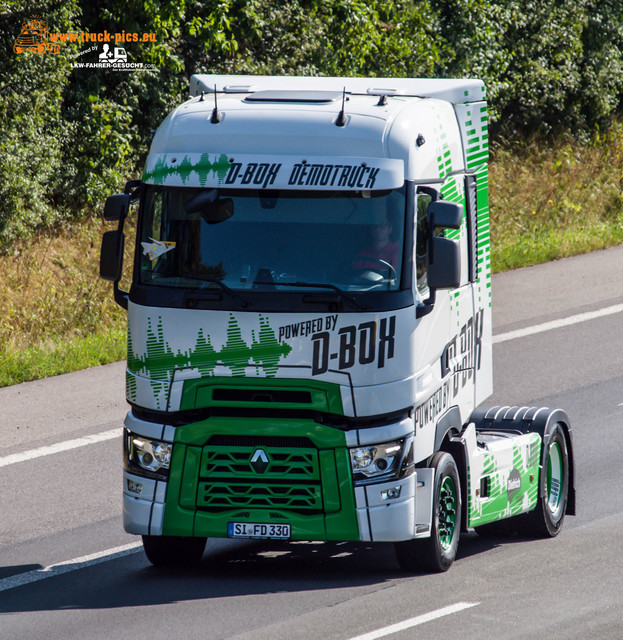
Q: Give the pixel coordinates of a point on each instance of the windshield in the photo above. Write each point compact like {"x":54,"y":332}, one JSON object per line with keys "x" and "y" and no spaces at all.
{"x":272,"y":240}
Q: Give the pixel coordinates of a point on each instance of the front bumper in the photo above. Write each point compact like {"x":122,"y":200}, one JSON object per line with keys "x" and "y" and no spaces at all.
{"x":211,"y":485}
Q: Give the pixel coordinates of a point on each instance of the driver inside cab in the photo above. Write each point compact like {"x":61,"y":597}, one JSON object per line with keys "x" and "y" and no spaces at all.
{"x":381,"y":248}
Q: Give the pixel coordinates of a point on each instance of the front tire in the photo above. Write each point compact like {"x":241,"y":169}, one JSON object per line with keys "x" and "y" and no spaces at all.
{"x":173,"y":551}
{"x":437,"y":553}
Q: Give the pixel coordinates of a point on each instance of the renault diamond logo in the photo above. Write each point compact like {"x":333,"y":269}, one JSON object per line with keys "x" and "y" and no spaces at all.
{"x":259,"y":461}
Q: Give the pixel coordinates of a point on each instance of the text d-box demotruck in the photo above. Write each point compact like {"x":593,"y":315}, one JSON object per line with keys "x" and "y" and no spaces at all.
{"x":309,"y":326}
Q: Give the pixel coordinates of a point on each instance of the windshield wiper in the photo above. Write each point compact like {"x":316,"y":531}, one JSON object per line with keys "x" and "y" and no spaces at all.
{"x":220,"y":284}
{"x":322,"y":285}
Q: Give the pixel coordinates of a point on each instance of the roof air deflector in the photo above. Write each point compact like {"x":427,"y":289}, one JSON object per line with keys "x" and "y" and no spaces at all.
{"x":314,"y":97}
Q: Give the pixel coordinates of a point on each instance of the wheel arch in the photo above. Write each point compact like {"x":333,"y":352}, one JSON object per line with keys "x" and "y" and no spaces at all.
{"x":541,"y":420}
{"x":449,"y":426}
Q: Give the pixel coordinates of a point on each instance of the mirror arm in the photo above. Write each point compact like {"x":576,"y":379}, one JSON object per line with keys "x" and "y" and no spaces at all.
{"x":426,"y":306}
{"x":121,"y":297}
{"x":431,"y":237}
{"x":130,"y":185}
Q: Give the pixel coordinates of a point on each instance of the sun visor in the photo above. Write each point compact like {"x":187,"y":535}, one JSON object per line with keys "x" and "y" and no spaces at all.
{"x":273,"y":172}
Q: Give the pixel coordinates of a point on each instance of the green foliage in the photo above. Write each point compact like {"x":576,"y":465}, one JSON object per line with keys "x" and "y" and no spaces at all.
{"x":71,"y":136}
{"x":32,"y":128}
{"x":548,"y":66}
{"x":313,"y":37}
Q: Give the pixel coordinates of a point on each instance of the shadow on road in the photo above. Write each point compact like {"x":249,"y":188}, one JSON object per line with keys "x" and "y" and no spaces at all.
{"x":257,"y":568}
{"x":16,"y":569}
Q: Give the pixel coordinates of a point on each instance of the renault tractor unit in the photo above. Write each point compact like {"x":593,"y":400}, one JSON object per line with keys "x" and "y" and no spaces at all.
{"x":309,"y":326}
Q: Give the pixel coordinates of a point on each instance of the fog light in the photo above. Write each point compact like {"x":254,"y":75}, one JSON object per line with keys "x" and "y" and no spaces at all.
{"x":391,"y":494}
{"x":135,"y":487}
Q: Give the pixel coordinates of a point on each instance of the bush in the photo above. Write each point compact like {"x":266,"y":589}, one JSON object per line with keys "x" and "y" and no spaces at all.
{"x":32,"y":129}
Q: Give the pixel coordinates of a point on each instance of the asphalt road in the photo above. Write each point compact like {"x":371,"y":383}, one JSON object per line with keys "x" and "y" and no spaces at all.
{"x":61,"y":511}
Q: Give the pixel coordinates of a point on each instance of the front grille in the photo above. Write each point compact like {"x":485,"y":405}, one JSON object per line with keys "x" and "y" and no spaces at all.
{"x":220,"y":495}
{"x":248,"y":472}
{"x":235,"y":462}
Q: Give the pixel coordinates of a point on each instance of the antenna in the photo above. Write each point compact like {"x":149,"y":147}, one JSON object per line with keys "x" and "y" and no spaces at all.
{"x":217,"y":116}
{"x":341,"y":118}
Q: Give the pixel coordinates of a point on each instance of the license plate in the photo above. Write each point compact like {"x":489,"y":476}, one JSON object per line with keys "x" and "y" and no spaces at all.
{"x":258,"y":530}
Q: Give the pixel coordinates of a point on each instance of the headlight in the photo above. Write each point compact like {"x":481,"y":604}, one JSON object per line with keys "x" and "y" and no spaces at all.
{"x":376,"y":462}
{"x":145,"y":455}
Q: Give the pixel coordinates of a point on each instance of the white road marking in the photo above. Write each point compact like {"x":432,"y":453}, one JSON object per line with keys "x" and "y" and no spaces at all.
{"x":83,"y":562}
{"x":414,"y":622}
{"x":557,"y":324}
{"x":60,"y":446}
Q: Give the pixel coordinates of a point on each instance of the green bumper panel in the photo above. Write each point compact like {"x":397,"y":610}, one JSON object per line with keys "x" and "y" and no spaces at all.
{"x":301,"y":478}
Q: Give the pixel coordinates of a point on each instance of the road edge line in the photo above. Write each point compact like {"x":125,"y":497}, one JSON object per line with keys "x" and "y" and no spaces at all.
{"x":21,"y":579}
{"x":557,"y":324}
{"x":413,"y":622}
{"x":59,"y":447}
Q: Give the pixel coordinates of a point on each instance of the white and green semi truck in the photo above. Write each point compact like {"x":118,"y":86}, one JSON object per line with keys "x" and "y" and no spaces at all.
{"x":309,"y":326}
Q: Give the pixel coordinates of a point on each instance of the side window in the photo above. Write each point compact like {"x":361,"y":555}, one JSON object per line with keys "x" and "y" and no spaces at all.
{"x":152,"y":227}
{"x":421,"y":240}
{"x":158,"y":205}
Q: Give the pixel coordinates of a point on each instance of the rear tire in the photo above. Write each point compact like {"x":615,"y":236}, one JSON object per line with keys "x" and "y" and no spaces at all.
{"x":437,"y":553}
{"x":174,"y":551}
{"x":547,"y":518}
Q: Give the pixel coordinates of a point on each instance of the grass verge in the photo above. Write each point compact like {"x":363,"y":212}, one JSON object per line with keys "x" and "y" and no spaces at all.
{"x":62,"y":355}
{"x":556,"y":200}
{"x":57,"y":315}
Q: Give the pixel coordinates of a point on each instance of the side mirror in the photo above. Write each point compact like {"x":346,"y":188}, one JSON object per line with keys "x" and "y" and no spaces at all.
{"x":111,"y":256}
{"x":117,"y":207}
{"x":444,"y":272}
{"x":446,"y":215}
{"x":444,"y":269}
